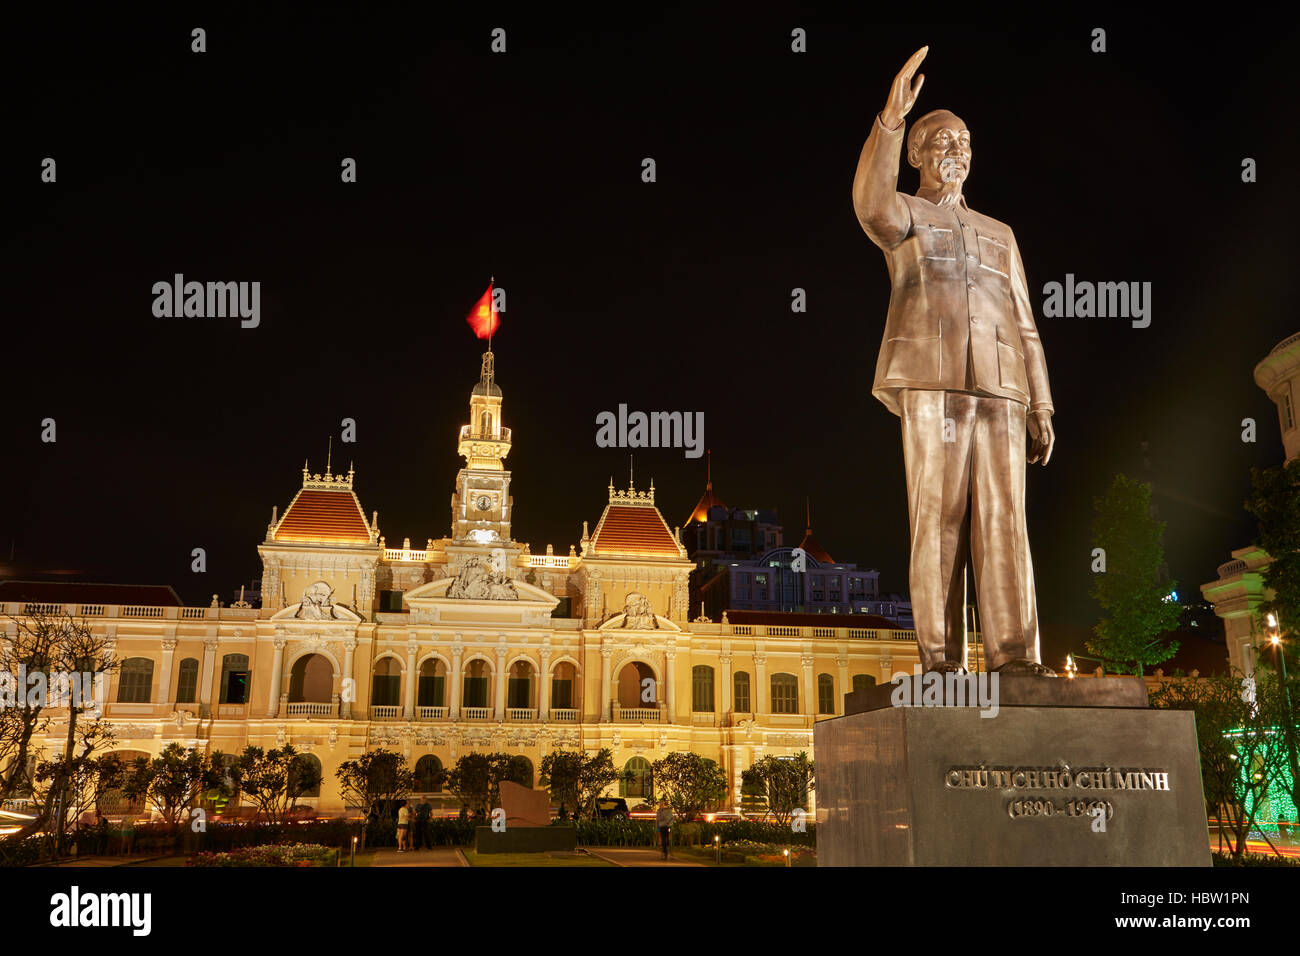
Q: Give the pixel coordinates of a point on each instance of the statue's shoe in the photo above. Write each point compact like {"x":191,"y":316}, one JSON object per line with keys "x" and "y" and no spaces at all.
{"x":1023,"y":665}
{"x":947,"y":667}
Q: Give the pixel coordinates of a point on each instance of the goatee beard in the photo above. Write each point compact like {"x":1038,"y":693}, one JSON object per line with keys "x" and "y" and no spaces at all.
{"x":949,"y":194}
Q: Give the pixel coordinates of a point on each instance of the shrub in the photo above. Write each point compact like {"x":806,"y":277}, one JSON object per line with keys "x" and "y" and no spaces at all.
{"x":294,"y":854}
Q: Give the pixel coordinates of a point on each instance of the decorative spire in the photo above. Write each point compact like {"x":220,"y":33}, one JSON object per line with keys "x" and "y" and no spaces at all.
{"x":327,"y":481}
{"x":329,"y":456}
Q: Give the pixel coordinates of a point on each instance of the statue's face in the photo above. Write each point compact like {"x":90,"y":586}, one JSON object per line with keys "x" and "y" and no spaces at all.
{"x":945,"y":155}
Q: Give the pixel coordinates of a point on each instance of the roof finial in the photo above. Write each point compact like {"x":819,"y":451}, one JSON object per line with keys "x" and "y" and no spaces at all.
{"x":630,"y":484}
{"x":329,"y":455}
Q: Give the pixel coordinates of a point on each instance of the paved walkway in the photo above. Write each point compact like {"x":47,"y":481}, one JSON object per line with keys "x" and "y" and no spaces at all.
{"x":437,"y":856}
{"x":637,"y":856}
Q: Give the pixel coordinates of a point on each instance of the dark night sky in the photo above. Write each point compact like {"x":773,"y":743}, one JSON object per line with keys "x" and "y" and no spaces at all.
{"x":182,"y":433}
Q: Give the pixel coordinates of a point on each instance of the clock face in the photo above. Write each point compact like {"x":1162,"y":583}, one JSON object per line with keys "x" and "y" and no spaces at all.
{"x":483,"y":503}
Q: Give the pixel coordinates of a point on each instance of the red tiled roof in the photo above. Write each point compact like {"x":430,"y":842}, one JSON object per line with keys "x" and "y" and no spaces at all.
{"x":630,"y":529}
{"x":707,"y":500}
{"x":809,"y":544}
{"x":78,"y":592}
{"x":332,"y":516}
{"x":790,"y":619}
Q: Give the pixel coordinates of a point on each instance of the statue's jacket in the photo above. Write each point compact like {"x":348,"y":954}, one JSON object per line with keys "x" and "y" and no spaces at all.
{"x":959,"y":312}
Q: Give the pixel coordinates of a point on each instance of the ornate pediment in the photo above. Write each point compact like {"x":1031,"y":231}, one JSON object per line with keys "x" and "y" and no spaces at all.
{"x":317,"y":607}
{"x":434,"y":602}
{"x":618,"y":623}
{"x":483,"y":579}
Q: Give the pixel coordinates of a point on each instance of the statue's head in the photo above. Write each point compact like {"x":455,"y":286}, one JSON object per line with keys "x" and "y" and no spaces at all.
{"x":939,"y":146}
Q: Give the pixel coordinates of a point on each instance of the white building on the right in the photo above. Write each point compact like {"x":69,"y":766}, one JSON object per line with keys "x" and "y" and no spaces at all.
{"x":1240,"y":590}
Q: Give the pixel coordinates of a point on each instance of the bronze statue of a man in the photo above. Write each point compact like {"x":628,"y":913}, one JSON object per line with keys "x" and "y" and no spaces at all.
{"x":961,"y":364}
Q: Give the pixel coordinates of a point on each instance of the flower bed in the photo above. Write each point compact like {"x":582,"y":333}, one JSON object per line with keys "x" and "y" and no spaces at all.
{"x":294,"y":854}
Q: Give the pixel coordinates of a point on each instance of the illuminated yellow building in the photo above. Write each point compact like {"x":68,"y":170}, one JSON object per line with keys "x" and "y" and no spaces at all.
{"x":475,"y":643}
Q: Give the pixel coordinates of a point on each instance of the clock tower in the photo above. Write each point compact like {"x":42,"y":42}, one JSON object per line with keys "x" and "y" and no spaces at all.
{"x":480,"y":508}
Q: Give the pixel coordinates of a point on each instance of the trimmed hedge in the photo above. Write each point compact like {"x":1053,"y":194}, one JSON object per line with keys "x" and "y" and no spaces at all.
{"x":296,"y":854}
{"x":644,"y":833}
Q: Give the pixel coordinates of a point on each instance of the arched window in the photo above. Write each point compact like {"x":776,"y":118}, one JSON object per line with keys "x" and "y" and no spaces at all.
{"x":386,"y":683}
{"x":740,"y":685}
{"x":306,"y":779}
{"x":311,"y":680}
{"x":785,"y":694}
{"x":187,"y":681}
{"x":476,"y":684}
{"x":702,"y":689}
{"x":825,"y":694}
{"x":135,"y":682}
{"x":234,"y":679}
{"x":638,"y":785}
{"x":519,"y":685}
{"x":862,"y":682}
{"x":633,"y":691}
{"x":433,"y":678}
{"x":562,"y":679}
{"x":485,"y":423}
{"x":428,"y":771}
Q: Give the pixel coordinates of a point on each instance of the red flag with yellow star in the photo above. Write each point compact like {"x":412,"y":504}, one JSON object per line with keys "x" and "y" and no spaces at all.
{"x":483,"y":318}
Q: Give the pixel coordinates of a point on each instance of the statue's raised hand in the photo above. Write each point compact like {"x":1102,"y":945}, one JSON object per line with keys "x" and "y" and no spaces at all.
{"x":902,"y":95}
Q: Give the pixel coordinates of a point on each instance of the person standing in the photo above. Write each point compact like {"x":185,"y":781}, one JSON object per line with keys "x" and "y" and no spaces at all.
{"x":403,"y":828}
{"x":423,"y":811}
{"x":664,"y":821}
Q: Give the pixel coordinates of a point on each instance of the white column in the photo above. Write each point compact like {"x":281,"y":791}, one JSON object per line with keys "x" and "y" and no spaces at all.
{"x":605,"y":654}
{"x":165,"y":676}
{"x":726,"y":688}
{"x":277,"y":678}
{"x":842,"y":663}
{"x":544,"y":691}
{"x":761,"y":692}
{"x":411,"y":680}
{"x":809,"y":703}
{"x":500,"y":710}
{"x":670,"y":695}
{"x":205,"y":679}
{"x":349,"y":649}
{"x":455,"y":678}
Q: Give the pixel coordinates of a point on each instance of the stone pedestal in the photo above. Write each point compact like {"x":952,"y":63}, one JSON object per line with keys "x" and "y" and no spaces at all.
{"x":945,"y":786}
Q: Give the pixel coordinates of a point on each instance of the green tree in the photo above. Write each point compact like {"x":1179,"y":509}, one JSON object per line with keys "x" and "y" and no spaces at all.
{"x":374,"y":776}
{"x":1275,"y":503}
{"x":1130,"y":589}
{"x":1242,"y":755}
{"x":273,"y":779}
{"x":476,"y":780}
{"x":690,"y":783}
{"x":377,"y":775}
{"x":175,"y":781}
{"x":782,"y":782}
{"x":56,"y":650}
{"x":576,"y":778}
